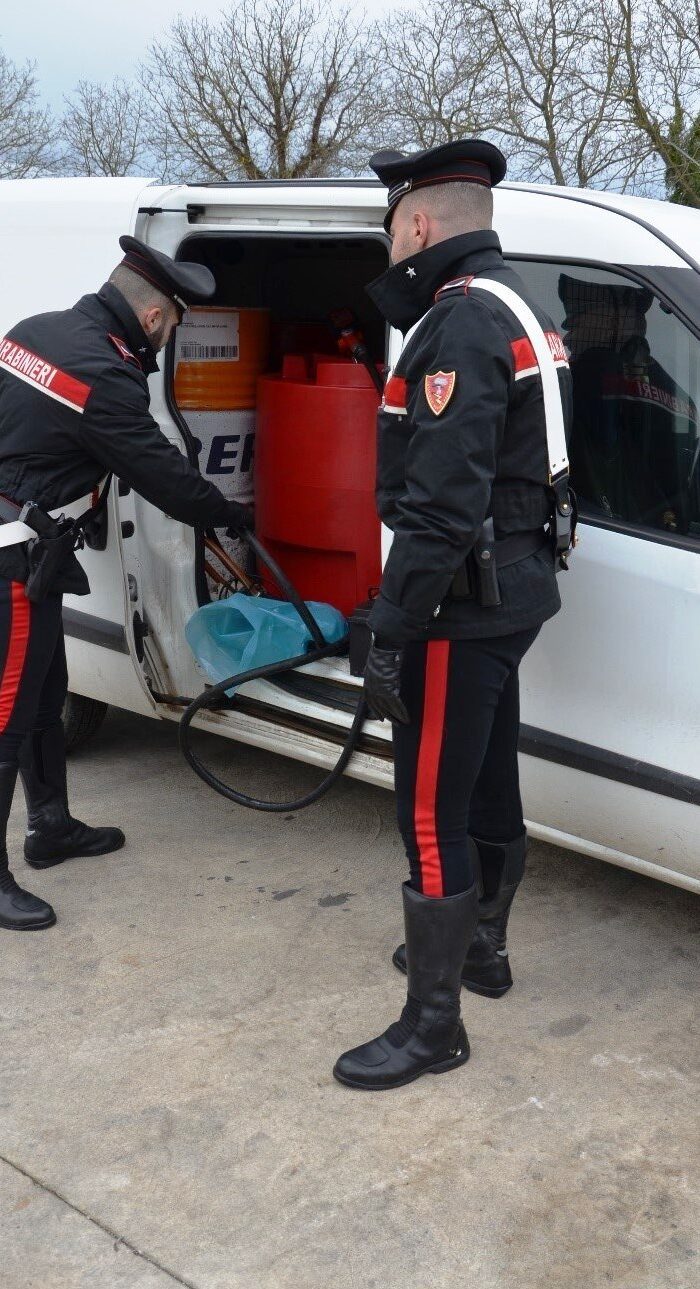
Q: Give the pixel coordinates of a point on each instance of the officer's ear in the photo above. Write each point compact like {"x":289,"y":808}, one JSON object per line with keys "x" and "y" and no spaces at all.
{"x":420,"y":229}
{"x":153,"y":320}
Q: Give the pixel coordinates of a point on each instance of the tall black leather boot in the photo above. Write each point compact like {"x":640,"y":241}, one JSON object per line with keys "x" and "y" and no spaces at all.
{"x":429,"y":1038}
{"x":19,"y":910}
{"x":52,"y":833}
{"x":486,"y":968}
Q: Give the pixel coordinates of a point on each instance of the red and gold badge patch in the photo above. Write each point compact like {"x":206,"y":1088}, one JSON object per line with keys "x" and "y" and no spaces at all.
{"x":439,"y":390}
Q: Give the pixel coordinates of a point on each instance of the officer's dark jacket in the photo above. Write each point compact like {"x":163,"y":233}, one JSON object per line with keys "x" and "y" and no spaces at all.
{"x":74,"y":403}
{"x":485,"y":453}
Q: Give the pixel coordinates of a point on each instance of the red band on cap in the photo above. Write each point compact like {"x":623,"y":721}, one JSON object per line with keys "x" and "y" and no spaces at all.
{"x":442,"y":179}
{"x":484,"y":177}
{"x":136,"y":268}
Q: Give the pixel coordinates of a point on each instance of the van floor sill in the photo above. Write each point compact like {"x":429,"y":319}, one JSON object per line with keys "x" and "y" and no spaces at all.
{"x":316,"y":689}
{"x":309,"y":725}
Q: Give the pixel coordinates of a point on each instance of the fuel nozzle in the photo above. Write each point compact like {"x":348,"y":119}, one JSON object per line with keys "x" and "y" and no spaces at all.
{"x":350,"y":340}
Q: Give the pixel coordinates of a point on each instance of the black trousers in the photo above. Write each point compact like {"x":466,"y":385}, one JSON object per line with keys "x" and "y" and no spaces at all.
{"x":456,"y":762}
{"x":34,"y":676}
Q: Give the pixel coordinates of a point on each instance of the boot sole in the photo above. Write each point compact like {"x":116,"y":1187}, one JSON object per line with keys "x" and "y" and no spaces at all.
{"x":75,"y":854}
{"x":441,"y":1067}
{"x":29,"y":926}
{"x":485,"y":991}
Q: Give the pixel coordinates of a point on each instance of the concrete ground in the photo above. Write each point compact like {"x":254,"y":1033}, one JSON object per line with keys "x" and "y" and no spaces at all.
{"x":167,"y":1111}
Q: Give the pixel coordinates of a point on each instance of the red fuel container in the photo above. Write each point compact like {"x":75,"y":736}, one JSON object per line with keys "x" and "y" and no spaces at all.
{"x":315,"y":461}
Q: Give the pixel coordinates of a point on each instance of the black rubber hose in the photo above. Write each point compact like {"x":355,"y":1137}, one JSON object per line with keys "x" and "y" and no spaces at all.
{"x":209,"y":698}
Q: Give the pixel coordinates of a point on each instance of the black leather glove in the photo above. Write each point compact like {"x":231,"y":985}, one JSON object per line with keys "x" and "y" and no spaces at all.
{"x":383,"y":682}
{"x":240,"y":520}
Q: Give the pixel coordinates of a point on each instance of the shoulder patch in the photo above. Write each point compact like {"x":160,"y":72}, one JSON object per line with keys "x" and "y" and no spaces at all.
{"x":123,"y":350}
{"x":439,"y":389}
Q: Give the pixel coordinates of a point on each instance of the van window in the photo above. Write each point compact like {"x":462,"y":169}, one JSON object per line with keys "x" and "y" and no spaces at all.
{"x":634,"y":449}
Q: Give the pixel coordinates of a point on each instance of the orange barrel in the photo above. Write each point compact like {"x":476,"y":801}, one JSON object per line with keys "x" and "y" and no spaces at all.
{"x":219,"y":355}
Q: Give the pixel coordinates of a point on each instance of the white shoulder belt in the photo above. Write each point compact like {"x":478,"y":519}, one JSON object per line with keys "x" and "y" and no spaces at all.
{"x":554,"y":417}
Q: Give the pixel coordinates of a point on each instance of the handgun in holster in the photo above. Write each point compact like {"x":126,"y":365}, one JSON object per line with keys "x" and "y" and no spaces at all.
{"x":55,"y":541}
{"x":477,"y":578}
{"x":488,"y":592}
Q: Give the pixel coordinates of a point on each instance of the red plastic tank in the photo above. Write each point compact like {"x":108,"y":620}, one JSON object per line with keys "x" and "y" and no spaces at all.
{"x":315,"y":461}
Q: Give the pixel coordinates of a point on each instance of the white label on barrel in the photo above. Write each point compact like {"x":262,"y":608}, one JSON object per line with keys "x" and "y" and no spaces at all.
{"x":208,"y":337}
{"x":225,"y":445}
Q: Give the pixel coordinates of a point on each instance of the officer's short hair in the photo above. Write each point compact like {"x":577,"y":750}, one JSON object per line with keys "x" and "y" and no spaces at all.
{"x":138,"y":292}
{"x":462,"y":206}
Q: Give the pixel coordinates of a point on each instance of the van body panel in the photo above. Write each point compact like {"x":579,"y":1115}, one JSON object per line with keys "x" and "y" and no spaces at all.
{"x":59,"y":240}
{"x":609,"y":643}
{"x":107,"y":676}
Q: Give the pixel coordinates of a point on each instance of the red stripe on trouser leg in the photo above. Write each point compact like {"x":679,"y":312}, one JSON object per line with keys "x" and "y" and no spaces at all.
{"x":20,"y":617}
{"x":437,"y":661}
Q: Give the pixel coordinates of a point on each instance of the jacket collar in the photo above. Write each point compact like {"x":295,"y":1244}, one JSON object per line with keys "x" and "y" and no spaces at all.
{"x":407,"y":290}
{"x":124,"y":320}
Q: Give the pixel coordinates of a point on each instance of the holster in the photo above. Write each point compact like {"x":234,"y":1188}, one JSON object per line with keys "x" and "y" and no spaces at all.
{"x":49,"y":559}
{"x":563,"y":521}
{"x":477,"y":578}
{"x":48,"y":552}
{"x":484,"y":554}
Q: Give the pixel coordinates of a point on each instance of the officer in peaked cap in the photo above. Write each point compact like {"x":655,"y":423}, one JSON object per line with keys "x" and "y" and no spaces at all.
{"x":471,"y":469}
{"x":183,"y":283}
{"x":74,"y":407}
{"x":470,"y":161}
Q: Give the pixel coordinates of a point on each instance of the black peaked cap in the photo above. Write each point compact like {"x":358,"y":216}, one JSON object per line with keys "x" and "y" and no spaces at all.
{"x":184,"y":283}
{"x":468,"y":160}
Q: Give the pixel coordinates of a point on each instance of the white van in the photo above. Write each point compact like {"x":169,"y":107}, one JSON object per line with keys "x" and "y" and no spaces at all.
{"x":611,"y":715}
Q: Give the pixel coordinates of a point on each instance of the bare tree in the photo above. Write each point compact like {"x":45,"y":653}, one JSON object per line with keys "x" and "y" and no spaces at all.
{"x":439,"y":74}
{"x":103,"y":129}
{"x":559,"y":60}
{"x":26,"y":128}
{"x":540,"y":77}
{"x":272,"y":90}
{"x":659,"y":87}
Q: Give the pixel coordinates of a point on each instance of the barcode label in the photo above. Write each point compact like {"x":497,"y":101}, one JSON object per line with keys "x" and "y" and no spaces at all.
{"x":190,"y":350}
{"x":206,"y":336}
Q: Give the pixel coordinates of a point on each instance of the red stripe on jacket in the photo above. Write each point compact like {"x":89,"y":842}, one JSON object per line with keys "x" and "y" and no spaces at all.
{"x":524,"y":357}
{"x":395,"y":392}
{"x":428,"y":772}
{"x":20,"y":621}
{"x":43,"y":375}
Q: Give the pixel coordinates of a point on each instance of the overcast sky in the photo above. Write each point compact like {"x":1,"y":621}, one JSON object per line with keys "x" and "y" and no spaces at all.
{"x":83,"y":40}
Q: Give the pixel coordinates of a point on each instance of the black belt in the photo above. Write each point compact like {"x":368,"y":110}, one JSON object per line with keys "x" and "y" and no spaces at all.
{"x":517,"y":546}
{"x":477,"y":579}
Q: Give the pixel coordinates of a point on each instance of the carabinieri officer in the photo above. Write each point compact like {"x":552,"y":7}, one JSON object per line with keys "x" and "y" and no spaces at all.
{"x":74,"y":406}
{"x":473,"y":483}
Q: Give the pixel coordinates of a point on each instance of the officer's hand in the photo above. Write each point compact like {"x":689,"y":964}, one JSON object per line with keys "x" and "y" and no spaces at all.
{"x":383,"y":683}
{"x":240,"y":520}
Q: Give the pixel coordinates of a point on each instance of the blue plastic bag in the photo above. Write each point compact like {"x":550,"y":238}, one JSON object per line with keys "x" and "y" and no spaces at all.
{"x":242,"y":632}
